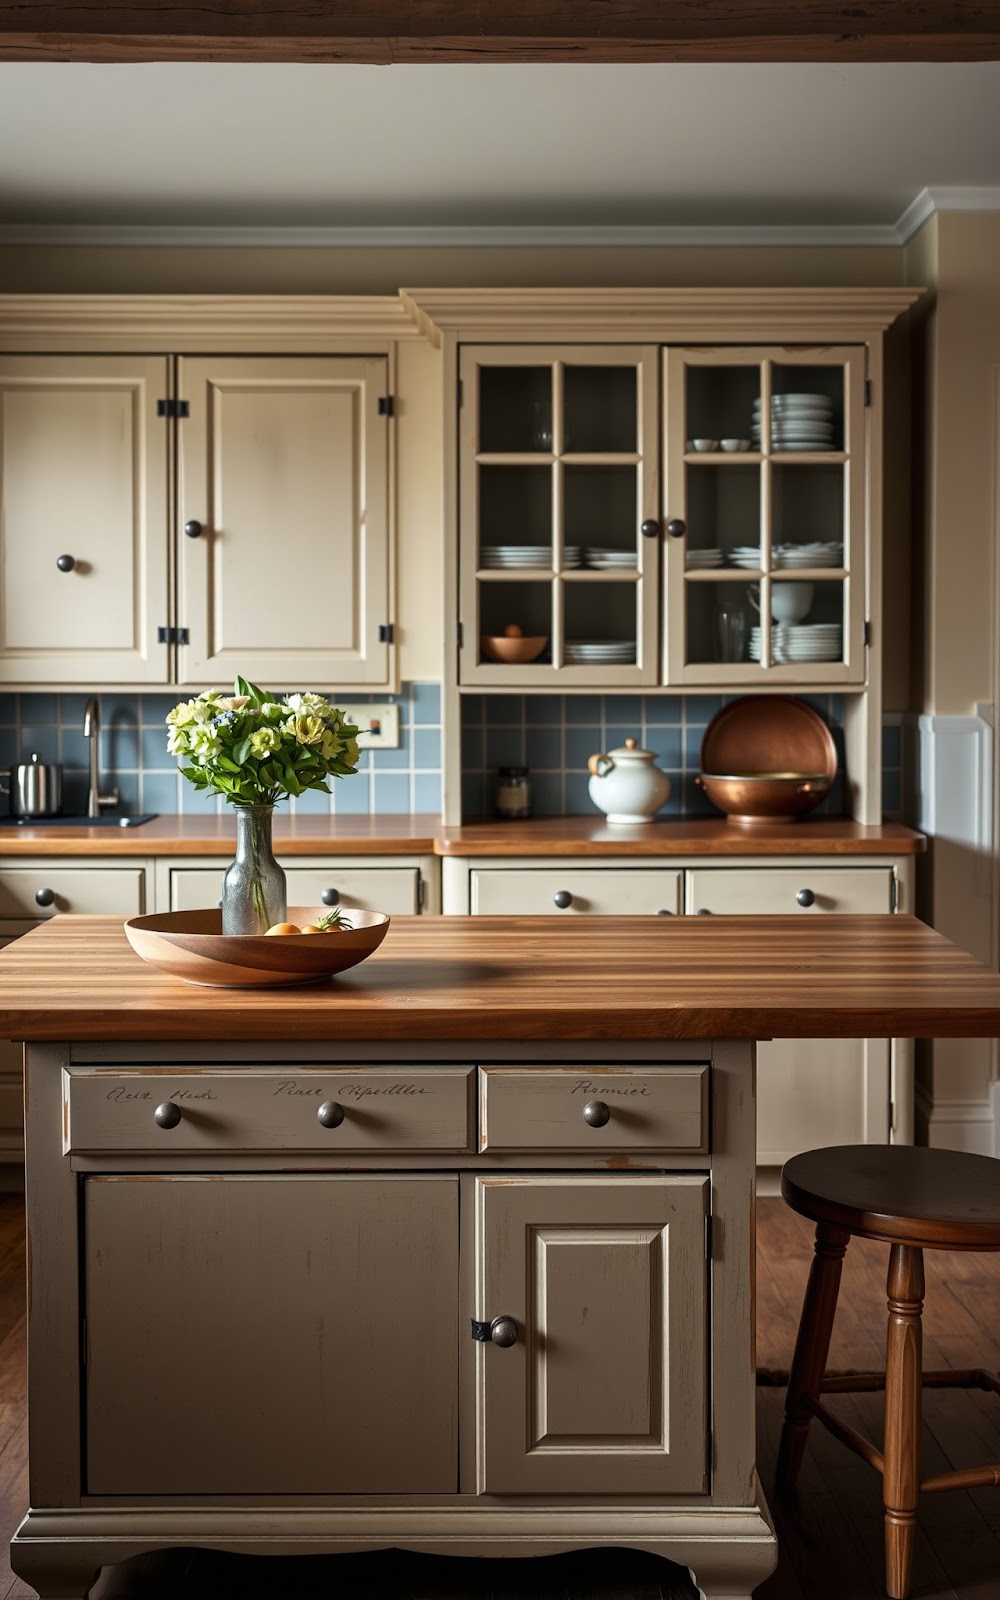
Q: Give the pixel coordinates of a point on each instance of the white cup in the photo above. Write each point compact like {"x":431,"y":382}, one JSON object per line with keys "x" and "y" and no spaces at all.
{"x":789,"y":601}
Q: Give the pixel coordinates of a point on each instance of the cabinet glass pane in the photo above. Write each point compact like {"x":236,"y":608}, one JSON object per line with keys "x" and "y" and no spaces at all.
{"x":720,"y":617}
{"x":723,"y":513}
{"x":808,"y":622}
{"x":719,"y":402}
{"x":599,"y":615}
{"x":601,"y":512}
{"x":807,"y":507}
{"x":515,"y":507}
{"x":807,"y":408}
{"x":504,"y":604}
{"x":515,"y":409}
{"x":601,"y":409}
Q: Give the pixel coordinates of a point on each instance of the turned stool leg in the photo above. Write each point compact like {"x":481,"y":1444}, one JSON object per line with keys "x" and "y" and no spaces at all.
{"x":903,"y":1360}
{"x":811,"y":1348}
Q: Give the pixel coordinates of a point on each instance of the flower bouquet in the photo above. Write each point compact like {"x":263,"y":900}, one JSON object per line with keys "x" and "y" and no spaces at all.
{"x":253,"y":748}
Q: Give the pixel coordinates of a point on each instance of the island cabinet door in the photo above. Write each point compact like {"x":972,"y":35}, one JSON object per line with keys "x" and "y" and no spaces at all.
{"x":271,"y":1335}
{"x":595,"y":1380}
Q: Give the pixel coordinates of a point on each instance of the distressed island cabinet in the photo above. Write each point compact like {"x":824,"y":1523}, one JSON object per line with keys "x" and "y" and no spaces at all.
{"x":452,"y":1254}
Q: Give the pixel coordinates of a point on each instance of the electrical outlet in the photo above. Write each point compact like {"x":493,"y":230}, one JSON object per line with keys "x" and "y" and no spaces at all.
{"x":382,"y":723}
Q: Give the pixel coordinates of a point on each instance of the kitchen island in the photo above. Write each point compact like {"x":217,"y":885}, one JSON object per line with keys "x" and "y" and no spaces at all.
{"x":452,"y":1254}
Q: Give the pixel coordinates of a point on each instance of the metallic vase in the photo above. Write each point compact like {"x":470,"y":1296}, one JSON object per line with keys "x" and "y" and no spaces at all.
{"x":254,"y":894}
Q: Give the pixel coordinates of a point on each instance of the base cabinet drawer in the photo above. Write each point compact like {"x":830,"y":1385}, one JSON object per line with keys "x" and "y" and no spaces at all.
{"x":785,"y":891}
{"x":395,"y":890}
{"x":593,"y":1109}
{"x":557,"y":891}
{"x":40,"y":892}
{"x":368,"y":1109}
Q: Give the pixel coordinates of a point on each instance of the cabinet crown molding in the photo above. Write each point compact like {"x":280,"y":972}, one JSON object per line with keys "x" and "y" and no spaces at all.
{"x":757,"y":315}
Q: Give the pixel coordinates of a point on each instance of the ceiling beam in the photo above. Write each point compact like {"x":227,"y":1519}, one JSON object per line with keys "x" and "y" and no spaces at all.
{"x":382,"y":32}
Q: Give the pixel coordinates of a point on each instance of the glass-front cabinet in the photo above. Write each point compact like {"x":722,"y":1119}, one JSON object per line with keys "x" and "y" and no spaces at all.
{"x":576,"y":569}
{"x":559,"y":501}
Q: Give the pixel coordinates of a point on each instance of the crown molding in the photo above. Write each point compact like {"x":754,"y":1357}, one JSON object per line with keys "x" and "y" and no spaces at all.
{"x":954,"y":198}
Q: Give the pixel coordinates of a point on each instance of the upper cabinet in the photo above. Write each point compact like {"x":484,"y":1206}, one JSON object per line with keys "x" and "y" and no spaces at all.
{"x":178,"y":520}
{"x":577,"y":567}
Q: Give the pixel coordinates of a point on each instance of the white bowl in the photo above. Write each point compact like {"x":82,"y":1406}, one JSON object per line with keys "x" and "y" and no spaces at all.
{"x":734,"y":446}
{"x":702,"y":445}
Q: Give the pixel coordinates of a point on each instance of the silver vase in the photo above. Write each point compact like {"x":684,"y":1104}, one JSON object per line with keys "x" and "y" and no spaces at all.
{"x":254,"y":892}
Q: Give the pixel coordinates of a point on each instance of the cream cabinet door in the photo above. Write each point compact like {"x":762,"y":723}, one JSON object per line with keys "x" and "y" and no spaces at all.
{"x":283,"y":483}
{"x":573,"y":891}
{"x":11,"y":1095}
{"x":288,"y":1334}
{"x":83,"y":519}
{"x":604,"y":1390}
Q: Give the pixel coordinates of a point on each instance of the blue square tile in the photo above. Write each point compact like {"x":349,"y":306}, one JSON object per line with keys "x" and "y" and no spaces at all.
{"x":623,"y":711}
{"x":153,"y":708}
{"x":75,"y":787}
{"x":425,"y":700}
{"x":504,"y":747}
{"x":120,"y":748}
{"x":543,"y":749}
{"x":666,"y":745}
{"x":581,"y":744}
{"x":473,"y":749}
{"x":8,"y":749}
{"x":427,"y":792}
{"x":427,"y":749}
{"x":74,"y":749}
{"x":152,"y":748}
{"x":583,"y":708}
{"x":701,"y":708}
{"x":39,"y":708}
{"x":127,"y":784}
{"x":547,"y":794}
{"x":40,"y":741}
{"x":663,"y":708}
{"x":198,"y":802}
{"x":473,"y":792}
{"x":159,"y":792}
{"x":119,"y":708}
{"x":544,"y":710}
{"x":472,"y":710}
{"x":8,"y":710}
{"x":692,"y":748}
{"x":390,"y":760}
{"x":892,"y":745}
{"x":578,"y":801}
{"x":504,"y":710}
{"x":675,"y":799}
{"x":352,"y":796}
{"x":313,"y":803}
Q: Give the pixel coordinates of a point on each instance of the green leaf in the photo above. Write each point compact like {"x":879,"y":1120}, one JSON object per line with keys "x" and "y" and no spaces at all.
{"x":241,"y":752}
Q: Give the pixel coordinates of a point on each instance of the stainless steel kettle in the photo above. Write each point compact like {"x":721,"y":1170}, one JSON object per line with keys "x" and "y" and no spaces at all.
{"x":35,"y":788}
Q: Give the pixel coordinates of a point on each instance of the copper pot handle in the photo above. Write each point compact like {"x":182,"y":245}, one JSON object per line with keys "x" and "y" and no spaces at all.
{"x":699,"y":780}
{"x":808,"y":788}
{"x":599,"y":766}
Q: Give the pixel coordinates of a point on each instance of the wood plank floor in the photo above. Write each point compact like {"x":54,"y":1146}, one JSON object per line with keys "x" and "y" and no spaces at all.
{"x":831,"y":1540}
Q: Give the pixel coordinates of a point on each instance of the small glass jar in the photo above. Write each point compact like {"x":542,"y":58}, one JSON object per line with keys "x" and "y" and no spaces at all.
{"x":513,"y":792}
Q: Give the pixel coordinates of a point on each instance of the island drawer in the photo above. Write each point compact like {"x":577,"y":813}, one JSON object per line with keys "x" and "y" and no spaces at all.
{"x":563,"y":891}
{"x":594,"y":1108}
{"x":41,"y":891}
{"x":394,"y":890}
{"x":363,"y":1109}
{"x":790,"y":891}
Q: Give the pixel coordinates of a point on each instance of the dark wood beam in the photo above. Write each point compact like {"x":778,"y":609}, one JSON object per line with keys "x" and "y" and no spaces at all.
{"x":400,"y":31}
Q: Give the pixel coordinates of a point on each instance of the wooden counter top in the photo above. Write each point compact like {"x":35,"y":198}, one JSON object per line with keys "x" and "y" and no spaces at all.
{"x":424,"y":835}
{"x":525,"y":978}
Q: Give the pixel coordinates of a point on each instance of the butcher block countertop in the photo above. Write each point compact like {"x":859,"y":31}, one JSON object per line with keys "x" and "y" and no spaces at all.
{"x":528,"y":978}
{"x":425,"y":835}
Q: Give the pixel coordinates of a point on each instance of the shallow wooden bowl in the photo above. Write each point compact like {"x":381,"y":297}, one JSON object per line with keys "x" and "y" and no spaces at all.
{"x":191,"y":945}
{"x":505,"y":647}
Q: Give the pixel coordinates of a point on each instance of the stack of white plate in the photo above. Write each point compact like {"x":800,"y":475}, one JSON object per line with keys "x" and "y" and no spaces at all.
{"x":819,"y":554}
{"x":811,"y":641}
{"x":746,"y":555}
{"x":492,"y":556}
{"x":798,"y":422}
{"x":610,"y":560}
{"x":599,"y":652}
{"x":695,"y":560}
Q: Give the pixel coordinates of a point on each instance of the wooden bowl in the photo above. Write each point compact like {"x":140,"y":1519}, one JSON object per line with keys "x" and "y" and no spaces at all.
{"x":191,"y":945}
{"x":503,"y":647}
{"x":764,"y":799}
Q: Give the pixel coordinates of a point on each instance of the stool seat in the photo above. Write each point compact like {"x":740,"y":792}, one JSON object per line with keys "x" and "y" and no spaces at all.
{"x":902,"y":1194}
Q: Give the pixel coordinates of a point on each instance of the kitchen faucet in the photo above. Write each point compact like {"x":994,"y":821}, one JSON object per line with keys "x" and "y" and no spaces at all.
{"x":92,"y":731}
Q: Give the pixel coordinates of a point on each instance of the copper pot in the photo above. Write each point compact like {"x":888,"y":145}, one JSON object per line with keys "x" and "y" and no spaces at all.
{"x":763,"y":799}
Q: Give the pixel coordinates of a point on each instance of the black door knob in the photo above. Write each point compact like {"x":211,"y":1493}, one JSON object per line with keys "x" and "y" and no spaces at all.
{"x":330,"y":897}
{"x":168,"y":1115}
{"x":704,"y":912}
{"x":45,"y":897}
{"x":562,"y":898}
{"x":664,"y":913}
{"x":596,"y":1114}
{"x":330,"y":1114}
{"x":805,"y":897}
{"x":650,"y":528}
{"x":194,"y":530}
{"x":503,"y":1331}
{"x":676,"y":528}
{"x":66,"y":563}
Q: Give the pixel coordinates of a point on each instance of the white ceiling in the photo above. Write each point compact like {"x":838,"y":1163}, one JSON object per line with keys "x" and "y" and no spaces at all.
{"x":222,"y":145}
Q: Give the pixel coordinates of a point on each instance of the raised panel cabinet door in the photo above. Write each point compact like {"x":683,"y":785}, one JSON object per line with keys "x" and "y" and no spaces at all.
{"x":83,"y":519}
{"x":286,"y":1334}
{"x":604,"y":1389}
{"x":283,"y":531}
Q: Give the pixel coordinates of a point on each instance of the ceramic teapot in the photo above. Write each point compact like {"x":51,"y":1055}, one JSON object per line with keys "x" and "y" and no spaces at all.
{"x":627,"y":785}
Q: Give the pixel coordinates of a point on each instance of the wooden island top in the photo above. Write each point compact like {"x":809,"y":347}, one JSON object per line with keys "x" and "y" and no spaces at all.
{"x":528,"y":978}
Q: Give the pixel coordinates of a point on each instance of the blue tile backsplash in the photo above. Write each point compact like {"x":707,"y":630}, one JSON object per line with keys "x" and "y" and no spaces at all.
{"x":134,"y":754}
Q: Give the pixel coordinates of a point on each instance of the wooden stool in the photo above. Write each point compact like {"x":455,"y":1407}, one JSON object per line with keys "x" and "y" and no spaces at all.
{"x":914,"y":1200}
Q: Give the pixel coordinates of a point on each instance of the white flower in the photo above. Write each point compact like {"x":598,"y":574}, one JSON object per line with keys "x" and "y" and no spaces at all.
{"x":313,"y":704}
{"x":264,"y":741}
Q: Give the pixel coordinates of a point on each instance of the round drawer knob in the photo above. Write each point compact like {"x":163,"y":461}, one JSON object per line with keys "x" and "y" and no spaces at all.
{"x":194,"y":530}
{"x":330,"y":897}
{"x":330,"y":1114}
{"x":704,"y":912}
{"x":650,"y":528}
{"x":562,"y":898}
{"x":45,"y":897}
{"x":65,"y":563}
{"x":596,"y":1114}
{"x":503,"y":1331}
{"x":805,"y":897}
{"x":664,"y":913}
{"x":677,"y":528}
{"x":168,"y":1115}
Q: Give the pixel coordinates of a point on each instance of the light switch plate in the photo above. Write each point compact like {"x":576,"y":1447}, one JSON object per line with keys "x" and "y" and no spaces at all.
{"x":382,"y":720}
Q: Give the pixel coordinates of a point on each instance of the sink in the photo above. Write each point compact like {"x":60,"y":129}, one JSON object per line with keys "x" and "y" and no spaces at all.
{"x":125,"y":820}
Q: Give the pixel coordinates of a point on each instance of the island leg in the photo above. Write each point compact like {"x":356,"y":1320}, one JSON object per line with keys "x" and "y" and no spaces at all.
{"x":56,"y":1574}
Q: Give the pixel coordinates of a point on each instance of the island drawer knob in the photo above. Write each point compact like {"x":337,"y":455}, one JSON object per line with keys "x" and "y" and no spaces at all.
{"x":168,"y":1115}
{"x":562,"y":898}
{"x":664,"y":912}
{"x":677,"y":527}
{"x":45,"y":897}
{"x":650,"y":528}
{"x":805,"y":897}
{"x":330,"y":1114}
{"x":596,"y":1114}
{"x":703,"y":911}
{"x":503,"y":1331}
{"x":66,"y":563}
{"x":193,"y":529}
{"x":330,"y":897}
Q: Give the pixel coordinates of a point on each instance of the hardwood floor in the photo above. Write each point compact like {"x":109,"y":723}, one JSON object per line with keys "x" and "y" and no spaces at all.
{"x":831,"y":1539}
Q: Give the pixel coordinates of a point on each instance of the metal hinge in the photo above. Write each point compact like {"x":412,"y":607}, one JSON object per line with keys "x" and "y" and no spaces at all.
{"x":459,"y":634}
{"x":421,"y":891}
{"x":173,"y":636}
{"x":868,"y":391}
{"x":893,"y":893}
{"x":480,"y":1331}
{"x":386,"y":405}
{"x":173,"y":408}
{"x":892,"y":1116}
{"x":461,"y":394}
{"x":708,"y":1237}
{"x":386,"y":633}
{"x":868,"y":632}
